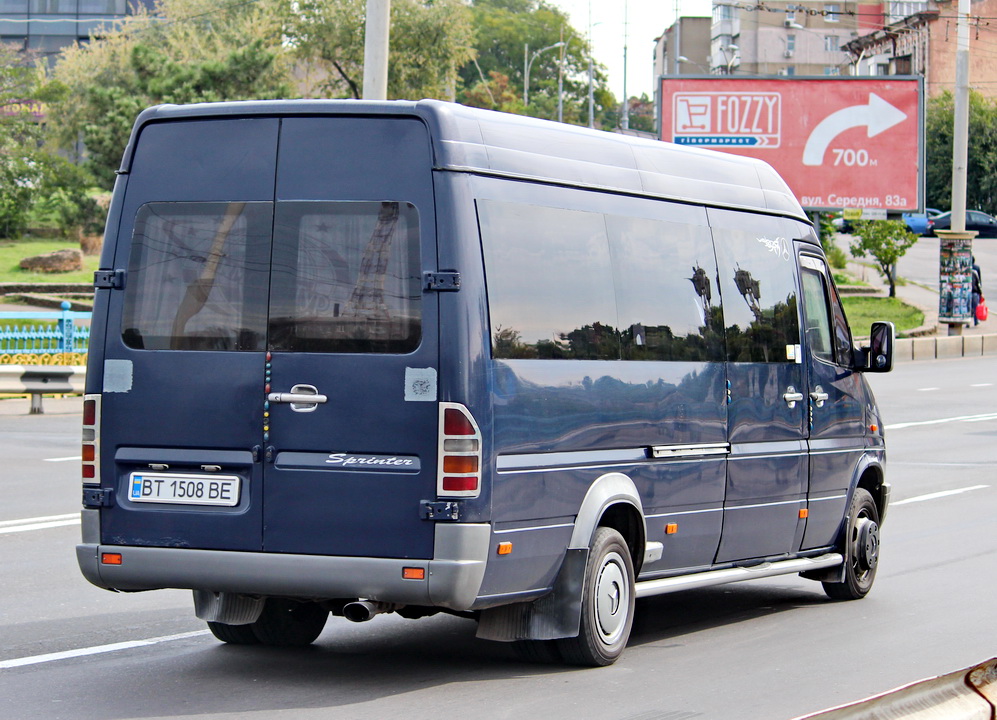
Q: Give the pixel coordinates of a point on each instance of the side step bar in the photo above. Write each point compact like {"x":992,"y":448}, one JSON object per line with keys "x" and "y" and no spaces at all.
{"x":649,"y":588}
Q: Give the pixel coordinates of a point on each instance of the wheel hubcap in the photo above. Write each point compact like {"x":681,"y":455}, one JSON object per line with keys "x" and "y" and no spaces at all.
{"x":612,"y":598}
{"x":867,"y":544}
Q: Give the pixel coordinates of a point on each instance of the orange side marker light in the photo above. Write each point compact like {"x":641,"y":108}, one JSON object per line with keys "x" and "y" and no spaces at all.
{"x":505,"y":548}
{"x":671,"y":528}
{"x":804,"y":514}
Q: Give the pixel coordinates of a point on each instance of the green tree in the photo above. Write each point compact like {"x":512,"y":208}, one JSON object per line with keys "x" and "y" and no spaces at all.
{"x":503,"y":28}
{"x":981,"y":191}
{"x":20,"y":137}
{"x":195,"y":50}
{"x":886,"y":241}
{"x":430,"y":40}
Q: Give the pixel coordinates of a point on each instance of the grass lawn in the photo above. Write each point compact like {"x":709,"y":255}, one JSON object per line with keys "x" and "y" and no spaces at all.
{"x":862,"y":312}
{"x":12,"y":252}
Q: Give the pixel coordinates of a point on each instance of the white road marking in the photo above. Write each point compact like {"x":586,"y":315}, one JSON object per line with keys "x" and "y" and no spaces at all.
{"x":935,"y":496}
{"x":926,"y":389}
{"x":38,"y":523}
{"x":940,"y":421}
{"x":96,"y":650}
{"x":981,"y":385}
{"x":65,"y":459}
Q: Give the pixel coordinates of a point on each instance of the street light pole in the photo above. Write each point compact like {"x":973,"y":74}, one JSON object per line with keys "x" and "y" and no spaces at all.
{"x":527,"y":64}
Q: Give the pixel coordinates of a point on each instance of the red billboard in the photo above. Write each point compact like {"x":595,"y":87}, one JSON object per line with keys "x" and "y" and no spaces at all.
{"x":838,"y":142}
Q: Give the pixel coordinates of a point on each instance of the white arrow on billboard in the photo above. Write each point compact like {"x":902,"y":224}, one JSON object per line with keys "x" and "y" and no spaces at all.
{"x":878,"y":115}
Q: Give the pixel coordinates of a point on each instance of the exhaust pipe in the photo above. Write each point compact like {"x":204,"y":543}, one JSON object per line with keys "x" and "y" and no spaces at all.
{"x":364,"y":610}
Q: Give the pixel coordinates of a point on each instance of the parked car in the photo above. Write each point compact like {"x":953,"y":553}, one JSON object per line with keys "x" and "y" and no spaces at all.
{"x":921,"y":223}
{"x":917,"y":223}
{"x":981,"y":222}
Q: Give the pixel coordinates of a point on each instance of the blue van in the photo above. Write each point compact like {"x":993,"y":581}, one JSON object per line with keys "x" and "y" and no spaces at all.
{"x":354,"y":357}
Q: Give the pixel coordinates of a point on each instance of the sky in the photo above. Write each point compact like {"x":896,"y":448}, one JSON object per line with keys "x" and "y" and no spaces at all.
{"x":645,"y":21}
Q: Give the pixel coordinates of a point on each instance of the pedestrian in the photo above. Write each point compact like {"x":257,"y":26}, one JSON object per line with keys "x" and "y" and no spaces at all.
{"x":977,"y":291}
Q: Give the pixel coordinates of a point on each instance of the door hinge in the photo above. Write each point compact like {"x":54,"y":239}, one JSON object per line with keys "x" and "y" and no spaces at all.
{"x":439,"y":510}
{"x":444,"y":281}
{"x":109,"y":279}
{"x":97,"y":497}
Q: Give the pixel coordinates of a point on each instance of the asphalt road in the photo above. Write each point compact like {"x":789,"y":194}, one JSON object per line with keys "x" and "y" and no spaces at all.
{"x":770,"y":649}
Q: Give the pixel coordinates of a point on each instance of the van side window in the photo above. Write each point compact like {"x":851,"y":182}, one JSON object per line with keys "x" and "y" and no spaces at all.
{"x":758,"y":283}
{"x":346,"y":278}
{"x":197,"y":277}
{"x":666,"y":287}
{"x":599,"y":286}
{"x":550,"y":290}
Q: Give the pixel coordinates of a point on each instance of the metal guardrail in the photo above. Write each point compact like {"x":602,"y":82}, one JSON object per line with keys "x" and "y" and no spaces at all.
{"x":64,"y":336}
{"x":39,"y":380}
{"x":969,"y":694}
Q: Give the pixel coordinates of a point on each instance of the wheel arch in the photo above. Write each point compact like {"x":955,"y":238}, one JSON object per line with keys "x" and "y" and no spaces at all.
{"x":871,"y":476}
{"x":612,"y":501}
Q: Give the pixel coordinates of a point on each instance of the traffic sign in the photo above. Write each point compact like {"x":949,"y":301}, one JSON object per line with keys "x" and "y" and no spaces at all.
{"x":838,"y":142}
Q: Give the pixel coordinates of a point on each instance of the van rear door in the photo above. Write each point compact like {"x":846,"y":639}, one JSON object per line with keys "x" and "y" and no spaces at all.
{"x":273,"y":382}
{"x":354,"y":231}
{"x":184,"y":342}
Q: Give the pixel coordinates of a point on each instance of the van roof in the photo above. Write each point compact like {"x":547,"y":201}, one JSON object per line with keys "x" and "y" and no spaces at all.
{"x":483,"y":141}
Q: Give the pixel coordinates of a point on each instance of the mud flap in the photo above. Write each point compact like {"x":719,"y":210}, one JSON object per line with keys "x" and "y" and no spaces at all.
{"x":227,"y":608}
{"x":555,"y":615}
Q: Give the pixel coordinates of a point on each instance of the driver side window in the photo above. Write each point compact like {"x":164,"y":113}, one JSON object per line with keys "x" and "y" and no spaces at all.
{"x":826,"y":327}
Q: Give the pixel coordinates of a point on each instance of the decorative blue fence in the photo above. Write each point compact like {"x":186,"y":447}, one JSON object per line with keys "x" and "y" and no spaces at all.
{"x":66,"y":335}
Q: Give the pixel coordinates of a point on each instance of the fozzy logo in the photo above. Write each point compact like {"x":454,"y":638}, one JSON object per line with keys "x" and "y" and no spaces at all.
{"x":727,"y":119}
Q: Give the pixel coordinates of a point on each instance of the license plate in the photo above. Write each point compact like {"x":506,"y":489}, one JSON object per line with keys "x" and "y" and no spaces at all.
{"x":219,"y":490}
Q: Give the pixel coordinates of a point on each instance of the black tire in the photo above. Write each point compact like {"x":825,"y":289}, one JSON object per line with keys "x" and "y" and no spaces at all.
{"x":607,"y":603}
{"x":289,"y":623}
{"x":537,"y":651}
{"x":234,"y":634}
{"x":861,"y":550}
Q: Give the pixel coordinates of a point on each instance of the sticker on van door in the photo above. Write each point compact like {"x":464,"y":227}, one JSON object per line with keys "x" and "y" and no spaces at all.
{"x":420,"y":384}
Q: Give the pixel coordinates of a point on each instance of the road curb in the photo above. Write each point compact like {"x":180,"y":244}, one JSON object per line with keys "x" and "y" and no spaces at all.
{"x":969,"y":694}
{"x":941,"y":347}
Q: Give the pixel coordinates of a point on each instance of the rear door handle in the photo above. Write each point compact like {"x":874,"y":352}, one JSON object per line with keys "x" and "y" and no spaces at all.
{"x":792,"y":397}
{"x":302,"y":398}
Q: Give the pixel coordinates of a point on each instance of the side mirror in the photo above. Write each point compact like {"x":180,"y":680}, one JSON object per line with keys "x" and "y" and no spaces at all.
{"x":879,"y":354}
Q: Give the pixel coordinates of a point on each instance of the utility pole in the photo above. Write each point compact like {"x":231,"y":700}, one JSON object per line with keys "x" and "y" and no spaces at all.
{"x":375,"y":50}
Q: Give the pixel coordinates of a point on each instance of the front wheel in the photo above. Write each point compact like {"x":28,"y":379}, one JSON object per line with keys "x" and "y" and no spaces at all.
{"x":607,"y":603}
{"x":861,"y":550}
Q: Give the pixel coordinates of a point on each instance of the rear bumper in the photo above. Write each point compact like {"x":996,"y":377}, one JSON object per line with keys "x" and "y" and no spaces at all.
{"x":452,"y":578}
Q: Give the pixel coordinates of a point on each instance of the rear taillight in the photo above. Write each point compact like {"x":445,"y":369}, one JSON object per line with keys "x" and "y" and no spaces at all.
{"x":91,"y":439}
{"x":459,"y":470}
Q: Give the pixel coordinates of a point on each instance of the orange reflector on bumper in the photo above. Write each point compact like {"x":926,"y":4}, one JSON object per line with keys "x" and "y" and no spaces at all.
{"x":110,"y":558}
{"x":414,"y":573}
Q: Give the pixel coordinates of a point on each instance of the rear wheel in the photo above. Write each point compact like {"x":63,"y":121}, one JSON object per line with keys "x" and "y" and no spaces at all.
{"x":861,"y":550}
{"x":290,"y":623}
{"x":234,"y":634}
{"x":607,"y":603}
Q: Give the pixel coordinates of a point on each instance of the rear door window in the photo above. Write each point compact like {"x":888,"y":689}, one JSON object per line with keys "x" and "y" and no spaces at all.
{"x":346,"y":278}
{"x":198,"y":276}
